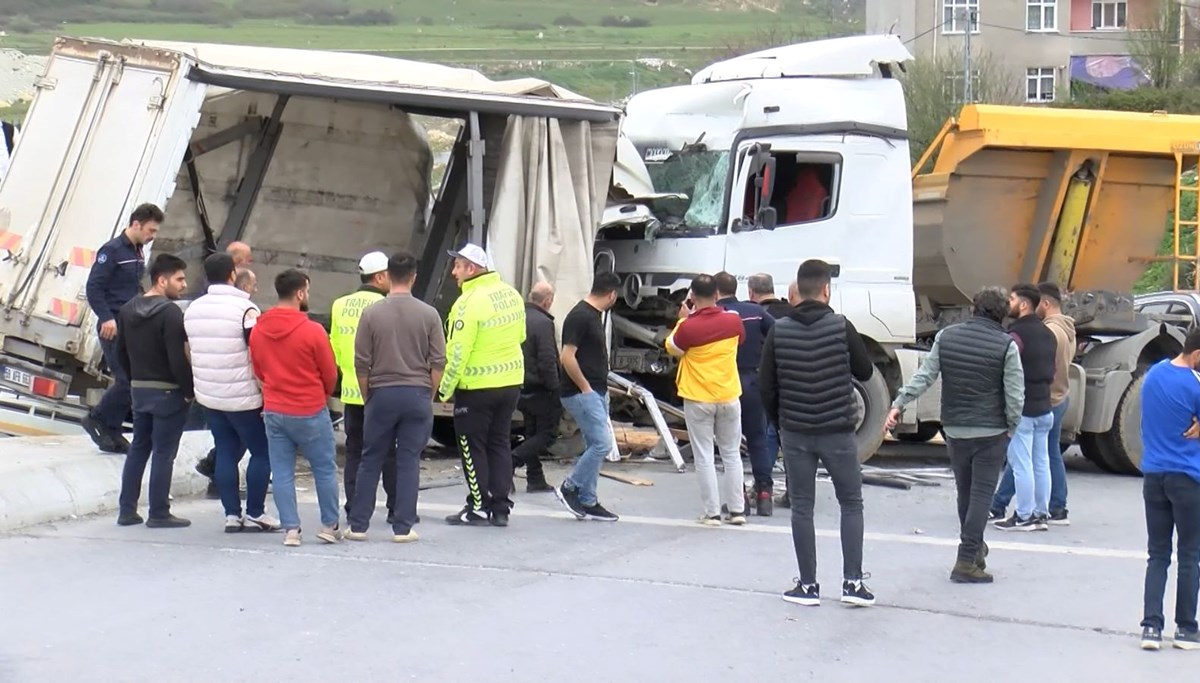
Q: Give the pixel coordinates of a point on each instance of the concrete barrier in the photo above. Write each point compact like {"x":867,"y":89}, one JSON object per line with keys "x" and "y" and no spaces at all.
{"x":49,"y":478}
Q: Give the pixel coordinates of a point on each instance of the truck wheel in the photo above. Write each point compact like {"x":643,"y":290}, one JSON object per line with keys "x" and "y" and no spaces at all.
{"x":1119,"y":450}
{"x":925,"y":432}
{"x":874,"y":403}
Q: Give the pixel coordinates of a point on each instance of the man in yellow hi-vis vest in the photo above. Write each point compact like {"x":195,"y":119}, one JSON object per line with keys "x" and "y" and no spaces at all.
{"x":344,"y":316}
{"x":485,"y":368}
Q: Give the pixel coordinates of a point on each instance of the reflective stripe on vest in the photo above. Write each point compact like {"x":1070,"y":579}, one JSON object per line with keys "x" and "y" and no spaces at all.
{"x":344,"y":317}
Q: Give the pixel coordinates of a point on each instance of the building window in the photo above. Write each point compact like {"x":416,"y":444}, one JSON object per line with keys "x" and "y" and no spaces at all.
{"x":1039,"y":84}
{"x":955,"y":13}
{"x":1041,"y":15}
{"x":952,"y":87}
{"x":1108,"y":13}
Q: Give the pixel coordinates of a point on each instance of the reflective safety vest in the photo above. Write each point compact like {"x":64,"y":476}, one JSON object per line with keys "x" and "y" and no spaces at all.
{"x":484,"y":333}
{"x":343,"y":326}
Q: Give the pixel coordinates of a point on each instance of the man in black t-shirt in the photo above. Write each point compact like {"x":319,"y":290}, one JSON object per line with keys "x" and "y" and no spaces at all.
{"x":585,"y":396}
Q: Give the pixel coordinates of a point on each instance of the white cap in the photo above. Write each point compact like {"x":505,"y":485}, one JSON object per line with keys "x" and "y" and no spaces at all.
{"x":471,"y":252}
{"x":374,"y":262}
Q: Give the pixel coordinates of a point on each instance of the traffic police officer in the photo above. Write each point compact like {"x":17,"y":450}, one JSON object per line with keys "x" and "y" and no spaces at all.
{"x":115,"y":278}
{"x":344,"y":316}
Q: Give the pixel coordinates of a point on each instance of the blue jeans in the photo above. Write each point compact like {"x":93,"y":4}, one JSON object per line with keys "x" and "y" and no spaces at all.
{"x":590,"y":412}
{"x":1058,"y":469}
{"x":397,"y":420}
{"x":233,"y":434}
{"x":114,"y":406}
{"x":158,"y":418}
{"x":1029,"y":458}
{"x":313,"y":436}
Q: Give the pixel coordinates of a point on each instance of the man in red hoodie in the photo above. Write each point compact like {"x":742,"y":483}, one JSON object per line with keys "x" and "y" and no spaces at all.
{"x":294,"y":361}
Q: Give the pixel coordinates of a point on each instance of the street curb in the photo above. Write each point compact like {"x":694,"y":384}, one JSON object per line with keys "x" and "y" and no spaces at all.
{"x":50,"y":478}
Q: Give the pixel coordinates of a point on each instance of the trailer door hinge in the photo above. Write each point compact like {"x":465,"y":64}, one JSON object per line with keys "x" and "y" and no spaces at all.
{"x":157,"y":102}
{"x":46,"y":83}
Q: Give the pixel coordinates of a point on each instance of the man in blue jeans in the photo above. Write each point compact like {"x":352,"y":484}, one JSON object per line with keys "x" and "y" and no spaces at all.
{"x":585,"y":396}
{"x":1171,"y":492}
{"x":294,"y":361}
{"x":152,"y":351}
{"x":1063,"y":328}
{"x":1028,"y":453}
{"x":114,"y":280}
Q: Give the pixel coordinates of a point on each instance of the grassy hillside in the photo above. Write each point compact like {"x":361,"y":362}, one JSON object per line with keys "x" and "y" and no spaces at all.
{"x":590,"y":47}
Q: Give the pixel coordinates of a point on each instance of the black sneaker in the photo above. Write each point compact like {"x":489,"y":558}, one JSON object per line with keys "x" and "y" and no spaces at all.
{"x":168,"y":522}
{"x":1151,"y":638}
{"x":857,"y":594}
{"x":120,"y":443}
{"x":129,"y":519}
{"x":1041,"y":522}
{"x":207,"y":466}
{"x":598,"y":513}
{"x":498,"y":518}
{"x":1059,"y":518}
{"x":996,"y":516}
{"x":1187,"y":640}
{"x":1015,"y":523}
{"x":99,"y":434}
{"x":765,"y":506}
{"x":467,"y":517}
{"x":800,"y":594}
{"x":570,"y":500}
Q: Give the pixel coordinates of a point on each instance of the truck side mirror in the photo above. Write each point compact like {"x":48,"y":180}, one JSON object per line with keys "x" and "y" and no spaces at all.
{"x":764,"y":186}
{"x":767,"y":218}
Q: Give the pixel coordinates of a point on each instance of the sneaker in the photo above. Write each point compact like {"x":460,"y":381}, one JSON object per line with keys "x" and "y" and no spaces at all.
{"x":467,"y":517}
{"x":498,"y":518}
{"x":1187,"y":640}
{"x":570,"y":500}
{"x":783,"y":500}
{"x":598,"y":513}
{"x":537,"y":484}
{"x":168,"y":522}
{"x":410,"y":537}
{"x":330,"y":534}
{"x":857,"y":594}
{"x":801,"y":594}
{"x":1015,"y":523}
{"x":291,"y":538}
{"x":736,"y":519}
{"x":100,"y":435}
{"x":1059,"y":518}
{"x":969,"y":572}
{"x":263,"y":522}
{"x":1151,"y":638}
{"x":234,"y":524}
{"x":765,"y":506}
{"x":1041,"y":522}
{"x":207,"y":466}
{"x":129,"y":519}
{"x":120,"y":443}
{"x":713,"y":521}
{"x":996,"y":516}
{"x":355,"y":535}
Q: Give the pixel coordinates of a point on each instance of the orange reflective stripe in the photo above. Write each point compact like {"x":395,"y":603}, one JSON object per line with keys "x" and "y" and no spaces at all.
{"x":84,"y":258}
{"x":9,"y":241}
{"x":66,"y":310}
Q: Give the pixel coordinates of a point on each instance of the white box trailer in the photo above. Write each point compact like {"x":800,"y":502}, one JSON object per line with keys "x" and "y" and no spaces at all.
{"x":313,"y":158}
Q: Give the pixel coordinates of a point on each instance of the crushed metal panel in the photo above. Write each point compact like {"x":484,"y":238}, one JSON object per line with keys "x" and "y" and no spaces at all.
{"x":848,"y":56}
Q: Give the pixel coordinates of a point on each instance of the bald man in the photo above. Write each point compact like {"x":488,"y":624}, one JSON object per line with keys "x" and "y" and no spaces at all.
{"x":240,"y":251}
{"x":539,"y":403}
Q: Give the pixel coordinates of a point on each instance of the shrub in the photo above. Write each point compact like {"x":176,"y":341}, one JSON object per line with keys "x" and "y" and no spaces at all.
{"x":370,"y":17}
{"x":22,"y":24}
{"x":567,"y":20}
{"x":624,"y":21}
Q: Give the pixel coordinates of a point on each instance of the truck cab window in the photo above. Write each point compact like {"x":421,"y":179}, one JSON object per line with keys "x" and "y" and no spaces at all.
{"x":803,"y":192}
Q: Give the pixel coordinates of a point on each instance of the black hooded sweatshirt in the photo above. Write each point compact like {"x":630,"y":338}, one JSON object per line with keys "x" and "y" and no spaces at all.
{"x":150,"y":330}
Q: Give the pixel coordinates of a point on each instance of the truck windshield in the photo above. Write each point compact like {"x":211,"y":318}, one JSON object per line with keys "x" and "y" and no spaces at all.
{"x":701,"y":175}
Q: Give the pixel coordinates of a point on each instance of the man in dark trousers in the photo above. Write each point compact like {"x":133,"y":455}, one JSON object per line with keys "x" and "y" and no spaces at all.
{"x":152,"y":350}
{"x":539,"y":403}
{"x":983,"y":392}
{"x":114,"y":280}
{"x":757,"y":323}
{"x":810,"y":359}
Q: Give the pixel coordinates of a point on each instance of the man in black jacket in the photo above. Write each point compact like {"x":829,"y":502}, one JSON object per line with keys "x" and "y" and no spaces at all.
{"x":810,"y":359}
{"x":762,"y":292}
{"x":539,"y":403}
{"x":152,"y":348}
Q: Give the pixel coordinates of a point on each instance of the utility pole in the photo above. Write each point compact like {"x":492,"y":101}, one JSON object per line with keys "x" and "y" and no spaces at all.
{"x":968,"y":17}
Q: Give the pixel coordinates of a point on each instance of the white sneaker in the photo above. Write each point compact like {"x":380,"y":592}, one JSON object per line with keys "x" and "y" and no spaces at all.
{"x":233,"y":524}
{"x":292,"y":538}
{"x":263,"y":522}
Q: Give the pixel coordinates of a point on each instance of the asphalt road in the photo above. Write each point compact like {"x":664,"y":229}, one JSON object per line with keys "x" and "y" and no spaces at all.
{"x":653,"y":597}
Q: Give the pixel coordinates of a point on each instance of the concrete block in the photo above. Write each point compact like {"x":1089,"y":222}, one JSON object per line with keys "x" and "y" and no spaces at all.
{"x":49,"y":478}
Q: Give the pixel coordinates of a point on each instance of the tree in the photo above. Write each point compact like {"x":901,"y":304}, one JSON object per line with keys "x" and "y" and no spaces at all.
{"x":934,"y":92}
{"x":1156,"y":45}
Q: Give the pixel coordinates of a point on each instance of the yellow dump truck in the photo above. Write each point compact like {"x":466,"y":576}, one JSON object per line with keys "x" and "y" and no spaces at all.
{"x":1081,"y":198}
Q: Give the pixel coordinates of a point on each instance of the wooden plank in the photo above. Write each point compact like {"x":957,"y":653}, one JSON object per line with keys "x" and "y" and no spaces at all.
{"x":626,"y":479}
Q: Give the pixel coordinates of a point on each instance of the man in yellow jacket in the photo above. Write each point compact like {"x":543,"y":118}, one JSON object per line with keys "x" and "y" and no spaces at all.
{"x":343,"y":326}
{"x":485,"y":368}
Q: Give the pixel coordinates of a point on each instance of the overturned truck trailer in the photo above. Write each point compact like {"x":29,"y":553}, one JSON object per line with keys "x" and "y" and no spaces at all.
{"x":311,"y":157}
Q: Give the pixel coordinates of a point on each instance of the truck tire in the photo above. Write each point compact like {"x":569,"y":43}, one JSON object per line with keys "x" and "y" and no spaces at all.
{"x":1119,"y":450}
{"x":876,"y":401}
{"x":925,"y":432}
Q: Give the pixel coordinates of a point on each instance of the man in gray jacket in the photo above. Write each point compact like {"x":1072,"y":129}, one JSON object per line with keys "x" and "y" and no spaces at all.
{"x":983,"y":393}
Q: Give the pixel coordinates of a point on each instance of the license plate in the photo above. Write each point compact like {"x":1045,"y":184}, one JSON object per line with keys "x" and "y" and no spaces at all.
{"x":18,"y":377}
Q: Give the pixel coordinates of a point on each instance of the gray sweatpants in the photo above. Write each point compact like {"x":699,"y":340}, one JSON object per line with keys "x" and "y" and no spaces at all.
{"x":711,"y":427}
{"x":801,"y":454}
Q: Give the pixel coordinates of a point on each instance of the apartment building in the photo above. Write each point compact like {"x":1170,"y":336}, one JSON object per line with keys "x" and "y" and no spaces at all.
{"x":1042,"y":44}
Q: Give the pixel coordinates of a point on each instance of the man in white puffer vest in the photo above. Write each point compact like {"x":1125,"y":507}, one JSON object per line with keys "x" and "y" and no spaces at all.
{"x":218,"y":325}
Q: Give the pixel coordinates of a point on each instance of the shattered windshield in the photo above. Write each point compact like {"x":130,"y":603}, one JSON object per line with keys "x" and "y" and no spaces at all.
{"x":701,"y":175}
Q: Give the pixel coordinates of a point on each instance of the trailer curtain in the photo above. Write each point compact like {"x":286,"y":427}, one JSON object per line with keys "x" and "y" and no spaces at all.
{"x":551,"y":188}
